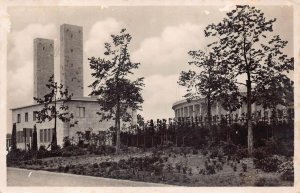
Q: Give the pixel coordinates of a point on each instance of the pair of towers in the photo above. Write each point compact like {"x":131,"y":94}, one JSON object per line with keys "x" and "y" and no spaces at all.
{"x":71,"y":61}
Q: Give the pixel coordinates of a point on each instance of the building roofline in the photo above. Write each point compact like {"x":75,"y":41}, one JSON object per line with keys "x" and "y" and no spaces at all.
{"x":184,"y":101}
{"x":87,"y":99}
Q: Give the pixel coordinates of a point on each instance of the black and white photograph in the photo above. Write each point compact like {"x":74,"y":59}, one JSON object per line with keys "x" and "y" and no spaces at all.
{"x":151,"y":95}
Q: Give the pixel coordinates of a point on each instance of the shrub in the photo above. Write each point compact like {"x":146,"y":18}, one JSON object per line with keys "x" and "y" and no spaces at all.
{"x":204,"y":152}
{"x":169,"y":167}
{"x":260,"y":153}
{"x":210,"y":169}
{"x":244,"y":166}
{"x":287,"y":171}
{"x":194,"y":151}
{"x":72,"y":151}
{"x":67,"y":168}
{"x":158,"y":169}
{"x":242,"y":153}
{"x":66,"y":142}
{"x":267,"y":164}
{"x":102,"y":150}
{"x":229,"y":148}
{"x":178,"y":167}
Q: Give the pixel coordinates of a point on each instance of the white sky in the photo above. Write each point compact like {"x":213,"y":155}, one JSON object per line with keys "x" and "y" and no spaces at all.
{"x":162,"y":36}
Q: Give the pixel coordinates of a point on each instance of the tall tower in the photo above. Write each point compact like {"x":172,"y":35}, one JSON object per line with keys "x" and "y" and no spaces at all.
{"x":71,"y":59}
{"x":43,"y":65}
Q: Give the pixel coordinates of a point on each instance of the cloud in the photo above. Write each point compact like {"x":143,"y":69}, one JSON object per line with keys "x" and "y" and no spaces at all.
{"x":206,"y":12}
{"x":227,"y":7}
{"x":159,"y":95}
{"x":20,"y":62}
{"x":99,"y":34}
{"x":167,"y":54}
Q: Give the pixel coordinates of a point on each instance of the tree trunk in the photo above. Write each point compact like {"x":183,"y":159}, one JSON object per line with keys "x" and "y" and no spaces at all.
{"x":209,"y":117}
{"x":249,"y":117}
{"x":118,"y":140}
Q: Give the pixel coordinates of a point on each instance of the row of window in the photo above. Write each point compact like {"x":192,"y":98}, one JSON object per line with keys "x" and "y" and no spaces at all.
{"x":19,"y":119}
{"x":24,"y":135}
{"x":80,"y":112}
{"x":45,"y":135}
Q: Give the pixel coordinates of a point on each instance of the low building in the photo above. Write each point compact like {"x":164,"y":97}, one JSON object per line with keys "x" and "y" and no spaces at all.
{"x":84,"y":111}
{"x":197,"y":109}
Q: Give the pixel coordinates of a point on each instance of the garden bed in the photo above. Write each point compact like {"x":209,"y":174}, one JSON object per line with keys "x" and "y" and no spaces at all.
{"x":176,"y":166}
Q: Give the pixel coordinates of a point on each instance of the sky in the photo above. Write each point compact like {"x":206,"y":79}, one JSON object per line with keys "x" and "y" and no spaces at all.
{"x":161,"y":38}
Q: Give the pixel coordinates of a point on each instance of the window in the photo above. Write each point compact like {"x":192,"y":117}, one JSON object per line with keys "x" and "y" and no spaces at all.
{"x":26,"y":117}
{"x":80,"y":112}
{"x":42,"y":135}
{"x":20,"y":137}
{"x":46,"y":135}
{"x":34,"y":115}
{"x":19,"y":118}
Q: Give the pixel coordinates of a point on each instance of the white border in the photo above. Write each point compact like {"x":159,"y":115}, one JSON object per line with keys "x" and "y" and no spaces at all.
{"x":4,"y":29}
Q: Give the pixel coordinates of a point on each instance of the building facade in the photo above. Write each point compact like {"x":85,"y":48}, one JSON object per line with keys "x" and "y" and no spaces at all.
{"x":197,"y":109}
{"x":84,"y":109}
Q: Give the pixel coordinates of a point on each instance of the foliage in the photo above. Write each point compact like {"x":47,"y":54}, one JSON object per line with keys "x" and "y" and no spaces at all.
{"x":54,"y":107}
{"x":209,"y":82}
{"x":102,"y":149}
{"x":286,"y":169}
{"x":14,"y":137}
{"x":34,"y":139}
{"x":246,"y":51}
{"x":268,"y":164}
{"x":117,"y":93}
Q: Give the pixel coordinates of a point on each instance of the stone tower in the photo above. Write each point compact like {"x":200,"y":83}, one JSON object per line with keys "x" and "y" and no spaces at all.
{"x":71,"y":59}
{"x":43,"y":65}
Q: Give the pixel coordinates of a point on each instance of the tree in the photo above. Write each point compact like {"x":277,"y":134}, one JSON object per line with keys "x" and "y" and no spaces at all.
{"x":34,"y":139}
{"x":54,"y":107}
{"x":117,"y":93}
{"x":14,"y":138}
{"x":243,"y":44}
{"x":208,"y":82}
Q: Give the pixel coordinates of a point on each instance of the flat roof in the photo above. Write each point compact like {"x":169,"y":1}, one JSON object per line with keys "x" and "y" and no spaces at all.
{"x":86,"y":99}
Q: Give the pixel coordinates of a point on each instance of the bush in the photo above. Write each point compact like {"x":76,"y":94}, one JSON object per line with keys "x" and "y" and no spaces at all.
{"x":244,"y":166}
{"x":66,"y":142}
{"x":15,"y":157}
{"x":210,"y":169}
{"x":242,"y":153}
{"x":229,"y":148}
{"x":267,"y":164}
{"x":102,"y":150}
{"x":72,"y":151}
{"x":287,"y":171}
{"x":260,"y":153}
{"x":266,"y":181}
{"x":67,"y":168}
